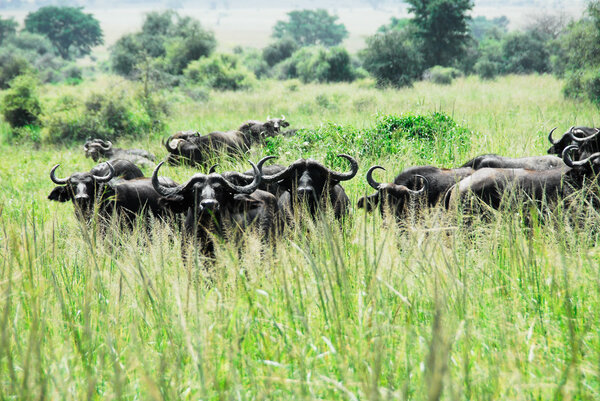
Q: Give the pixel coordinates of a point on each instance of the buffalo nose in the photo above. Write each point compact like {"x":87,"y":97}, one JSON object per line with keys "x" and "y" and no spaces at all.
{"x":81,"y":196}
{"x":209,"y":204}
{"x":305,"y":192}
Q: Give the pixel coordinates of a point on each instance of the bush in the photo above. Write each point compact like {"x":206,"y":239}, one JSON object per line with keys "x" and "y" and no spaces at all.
{"x":583,"y":84}
{"x":486,"y":69}
{"x":524,"y":53}
{"x":317,"y":64}
{"x":392,"y":59}
{"x":279,"y":50}
{"x":221,"y":72}
{"x":11,"y":66}
{"x":254,"y":61}
{"x":20,"y":103}
{"x":110,"y":115}
{"x":441,"y":75}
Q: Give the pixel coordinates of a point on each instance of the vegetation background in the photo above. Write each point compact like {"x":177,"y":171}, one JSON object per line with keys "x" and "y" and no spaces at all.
{"x":431,"y":309}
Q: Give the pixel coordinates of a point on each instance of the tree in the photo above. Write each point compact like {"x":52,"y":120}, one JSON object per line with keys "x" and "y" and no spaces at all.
{"x":311,"y":27}
{"x":279,"y":50}
{"x":442,"y":26}
{"x":393,"y":58}
{"x":72,"y":32}
{"x":524,"y":53}
{"x":8,"y":27}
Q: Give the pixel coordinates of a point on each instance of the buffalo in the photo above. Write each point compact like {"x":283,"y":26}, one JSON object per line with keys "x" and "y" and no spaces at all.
{"x":587,"y":140}
{"x":428,"y":182}
{"x":198,"y":150}
{"x":213,"y":205}
{"x":531,"y":163}
{"x":259,"y":130}
{"x":491,"y":185}
{"x":126,"y":198}
{"x":98,"y":148}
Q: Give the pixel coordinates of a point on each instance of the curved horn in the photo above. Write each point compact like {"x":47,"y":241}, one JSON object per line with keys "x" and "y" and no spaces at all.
{"x":268,"y":118}
{"x":423,"y":188}
{"x":248,"y":177}
{"x":374,"y":184}
{"x":247,"y":189}
{"x":58,"y":181}
{"x":212,"y":168}
{"x":283,"y":174}
{"x":106,"y":145}
{"x":167,"y":145}
{"x":566,"y":155}
{"x":577,"y":139}
{"x":162,"y":190}
{"x":282,"y":117}
{"x":550,"y":136}
{"x":86,"y":146}
{"x":345,"y":176}
{"x":107,"y":177}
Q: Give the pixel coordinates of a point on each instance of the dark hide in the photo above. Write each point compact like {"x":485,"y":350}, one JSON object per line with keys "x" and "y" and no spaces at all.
{"x":97,"y":149}
{"x":530,"y":163}
{"x":587,"y":140}
{"x":397,"y":195}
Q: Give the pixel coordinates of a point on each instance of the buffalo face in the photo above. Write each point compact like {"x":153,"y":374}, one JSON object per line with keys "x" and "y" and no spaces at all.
{"x":96,"y":148}
{"x":81,"y":188}
{"x":393,"y":197}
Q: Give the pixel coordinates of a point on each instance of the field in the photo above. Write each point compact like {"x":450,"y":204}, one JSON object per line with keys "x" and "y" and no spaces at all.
{"x":432,"y":309}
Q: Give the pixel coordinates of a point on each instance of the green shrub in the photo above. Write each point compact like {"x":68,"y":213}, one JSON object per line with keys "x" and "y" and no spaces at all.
{"x":21,"y":104}
{"x":486,"y":69}
{"x":583,"y":84}
{"x":279,"y":50}
{"x":221,"y":72}
{"x":110,"y":115}
{"x":317,"y":64}
{"x":11,"y":66}
{"x":441,"y":75}
{"x":392,"y":59}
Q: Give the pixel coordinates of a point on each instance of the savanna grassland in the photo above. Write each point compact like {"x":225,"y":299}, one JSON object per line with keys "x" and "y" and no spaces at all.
{"x":434,"y":308}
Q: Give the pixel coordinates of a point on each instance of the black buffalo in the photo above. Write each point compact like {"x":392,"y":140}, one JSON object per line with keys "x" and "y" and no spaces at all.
{"x":98,"y":148}
{"x":428,"y":182}
{"x":125,"y":198}
{"x":213,"y":205}
{"x":587,"y":140}
{"x":532,"y":163}
{"x":309,"y":182}
{"x":260,"y":130}
{"x":198,"y":150}
{"x":493,"y":186}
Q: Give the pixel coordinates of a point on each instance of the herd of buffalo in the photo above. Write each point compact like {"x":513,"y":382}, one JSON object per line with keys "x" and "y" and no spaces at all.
{"x":267,"y":198}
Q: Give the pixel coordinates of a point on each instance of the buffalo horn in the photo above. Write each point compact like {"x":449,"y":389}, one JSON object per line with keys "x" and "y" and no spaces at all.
{"x":423,"y":188}
{"x":566,"y":155}
{"x":86,"y":146}
{"x":106,"y":145}
{"x":58,"y":181}
{"x":577,"y":139}
{"x":550,"y":136}
{"x":212,"y":168}
{"x":374,"y":184}
{"x":164,"y":191}
{"x":247,"y":189}
{"x":168,"y":146}
{"x":107,"y":177}
{"x":345,"y":176}
{"x":282,"y":117}
{"x":250,"y":177}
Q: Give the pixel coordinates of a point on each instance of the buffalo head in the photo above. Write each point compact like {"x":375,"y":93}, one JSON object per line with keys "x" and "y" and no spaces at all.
{"x":95,"y":148}
{"x":581,"y":136}
{"x":391,"y":196}
{"x":81,"y":188}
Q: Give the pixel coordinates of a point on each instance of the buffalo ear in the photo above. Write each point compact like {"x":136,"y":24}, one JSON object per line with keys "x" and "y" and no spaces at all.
{"x":60,"y":194}
{"x":175,"y":204}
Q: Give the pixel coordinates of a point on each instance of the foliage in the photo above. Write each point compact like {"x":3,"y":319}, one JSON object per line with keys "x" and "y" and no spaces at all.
{"x":524,"y":53}
{"x":481,"y":27}
{"x":392,"y":58}
{"x":311,"y":27}
{"x":319,"y":64}
{"x":395,"y":23}
{"x":169,"y":40}
{"x":11,"y":66}
{"x":279,"y":50}
{"x":20,"y":104}
{"x":112,"y":114}
{"x":442,"y":27}
{"x":72,"y":32}
{"x":221,"y":72}
{"x":254,"y":61}
{"x":486,"y":69}
{"x":8,"y":27}
{"x":577,"y":47}
{"x":441,"y":75}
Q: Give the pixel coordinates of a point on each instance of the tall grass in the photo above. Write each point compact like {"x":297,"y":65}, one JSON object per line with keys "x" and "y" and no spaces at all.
{"x":431,"y":309}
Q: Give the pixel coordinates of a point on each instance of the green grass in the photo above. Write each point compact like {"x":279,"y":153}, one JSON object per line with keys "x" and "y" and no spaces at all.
{"x":430,"y":310}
